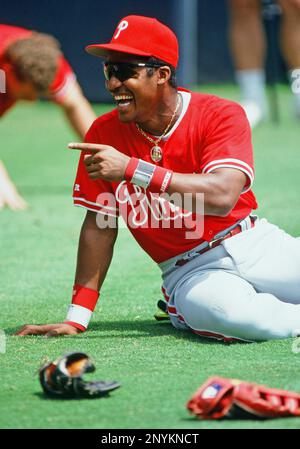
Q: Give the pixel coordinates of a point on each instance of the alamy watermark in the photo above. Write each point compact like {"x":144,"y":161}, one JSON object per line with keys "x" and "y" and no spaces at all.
{"x":2,"y":342}
{"x":2,"y":82}
{"x":295,"y":77}
{"x":151,"y":210}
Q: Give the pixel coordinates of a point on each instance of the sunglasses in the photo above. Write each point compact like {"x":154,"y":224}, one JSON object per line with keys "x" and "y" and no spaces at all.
{"x":123,"y":70}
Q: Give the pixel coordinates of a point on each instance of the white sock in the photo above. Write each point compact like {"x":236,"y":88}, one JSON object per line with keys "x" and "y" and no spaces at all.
{"x":252,"y":86}
{"x":294,"y":76}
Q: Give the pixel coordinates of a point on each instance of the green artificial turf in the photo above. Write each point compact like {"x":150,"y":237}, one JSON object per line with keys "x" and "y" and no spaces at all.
{"x":159,"y":367}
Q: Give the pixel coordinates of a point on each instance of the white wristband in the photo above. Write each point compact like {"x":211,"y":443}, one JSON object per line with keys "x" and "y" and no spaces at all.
{"x":79,"y":314}
{"x":143,"y":174}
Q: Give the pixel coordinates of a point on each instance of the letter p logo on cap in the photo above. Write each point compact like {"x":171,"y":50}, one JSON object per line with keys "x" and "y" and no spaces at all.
{"x":121,"y":27}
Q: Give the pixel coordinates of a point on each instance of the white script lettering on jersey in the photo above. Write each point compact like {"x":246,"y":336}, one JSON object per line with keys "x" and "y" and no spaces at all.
{"x":160,"y":208}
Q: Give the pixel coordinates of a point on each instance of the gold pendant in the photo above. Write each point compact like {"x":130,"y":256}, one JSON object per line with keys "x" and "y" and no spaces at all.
{"x":156,"y":153}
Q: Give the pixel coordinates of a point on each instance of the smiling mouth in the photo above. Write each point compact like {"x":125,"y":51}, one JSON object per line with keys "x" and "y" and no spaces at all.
{"x":123,"y":101}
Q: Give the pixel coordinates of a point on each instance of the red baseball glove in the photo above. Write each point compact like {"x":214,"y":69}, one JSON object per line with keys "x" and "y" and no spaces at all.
{"x":231,"y":398}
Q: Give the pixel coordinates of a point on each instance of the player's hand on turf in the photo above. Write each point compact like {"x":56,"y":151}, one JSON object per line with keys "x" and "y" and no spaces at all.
{"x":105,"y":162}
{"x":49,"y":330}
{"x":10,"y":197}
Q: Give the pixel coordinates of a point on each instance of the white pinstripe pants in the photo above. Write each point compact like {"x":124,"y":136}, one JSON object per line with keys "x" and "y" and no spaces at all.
{"x":246,"y":288}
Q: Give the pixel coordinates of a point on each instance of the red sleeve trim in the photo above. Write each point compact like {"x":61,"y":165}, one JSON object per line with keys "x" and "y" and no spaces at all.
{"x":95,"y":207}
{"x":232,"y":163}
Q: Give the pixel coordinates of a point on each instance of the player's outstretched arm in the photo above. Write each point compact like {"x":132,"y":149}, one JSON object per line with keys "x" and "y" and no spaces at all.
{"x":9,"y":195}
{"x":95,"y":253}
{"x":221,"y":189}
{"x":77,"y":109}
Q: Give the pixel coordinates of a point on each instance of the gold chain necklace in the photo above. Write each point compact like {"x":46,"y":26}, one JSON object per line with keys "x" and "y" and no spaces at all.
{"x":156,"y":152}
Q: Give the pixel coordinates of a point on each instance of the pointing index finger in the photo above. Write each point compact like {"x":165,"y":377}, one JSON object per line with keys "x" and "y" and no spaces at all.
{"x":91,"y":147}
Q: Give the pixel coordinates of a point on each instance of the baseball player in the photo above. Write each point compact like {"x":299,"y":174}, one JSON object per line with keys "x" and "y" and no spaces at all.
{"x":226,"y":273}
{"x":248,"y":47}
{"x":31,"y":66}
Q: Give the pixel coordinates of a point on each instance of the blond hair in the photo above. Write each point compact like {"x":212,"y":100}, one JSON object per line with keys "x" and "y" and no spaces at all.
{"x":35,"y":59}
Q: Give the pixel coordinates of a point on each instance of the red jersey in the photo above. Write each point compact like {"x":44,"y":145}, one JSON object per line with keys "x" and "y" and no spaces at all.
{"x":64,"y":74}
{"x":210,"y":133}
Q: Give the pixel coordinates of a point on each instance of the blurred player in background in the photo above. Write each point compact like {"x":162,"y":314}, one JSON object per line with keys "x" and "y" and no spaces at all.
{"x":248,"y":46}
{"x":34,"y":67}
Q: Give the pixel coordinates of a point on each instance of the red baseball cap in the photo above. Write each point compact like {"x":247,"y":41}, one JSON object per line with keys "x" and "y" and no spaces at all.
{"x":141,"y":36}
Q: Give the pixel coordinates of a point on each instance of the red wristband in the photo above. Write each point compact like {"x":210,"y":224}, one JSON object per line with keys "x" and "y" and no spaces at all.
{"x":130,"y":169}
{"x":85,"y":297}
{"x":84,"y":301}
{"x":149,"y":176}
{"x":161,"y":180}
